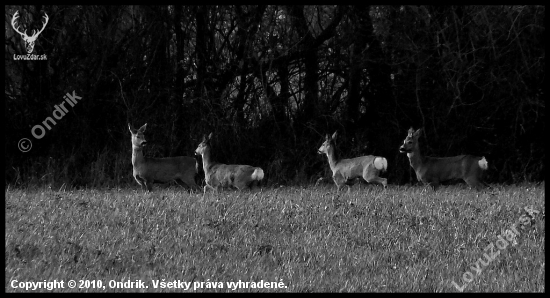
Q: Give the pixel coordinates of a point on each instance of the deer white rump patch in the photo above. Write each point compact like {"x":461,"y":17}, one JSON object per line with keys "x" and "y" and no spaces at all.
{"x":483,"y":164}
{"x":258,"y":174}
{"x":380,"y":163}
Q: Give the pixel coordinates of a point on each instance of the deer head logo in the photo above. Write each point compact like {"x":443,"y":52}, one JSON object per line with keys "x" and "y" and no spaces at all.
{"x":29,"y":40}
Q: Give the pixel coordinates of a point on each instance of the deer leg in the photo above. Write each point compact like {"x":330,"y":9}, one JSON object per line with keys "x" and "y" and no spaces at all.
{"x":141,"y":183}
{"x":371,"y":175}
{"x":189,"y":185}
{"x":349,"y":188}
{"x":348,"y":183}
{"x":338,"y":186}
{"x":475,"y":183}
{"x":148,"y":185}
{"x":339,"y":181}
{"x":253,"y":185}
{"x":242,"y":184}
{"x":190,"y":181}
{"x":487,"y":185}
{"x":205,"y":188}
{"x":214,"y":189}
{"x":433,"y":185}
{"x":180,"y":182}
{"x":382,"y":181}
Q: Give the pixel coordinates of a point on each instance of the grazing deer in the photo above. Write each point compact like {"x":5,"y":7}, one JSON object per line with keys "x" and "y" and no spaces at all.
{"x":433,"y":170}
{"x":147,"y":171}
{"x":344,"y":171}
{"x":221,"y":175}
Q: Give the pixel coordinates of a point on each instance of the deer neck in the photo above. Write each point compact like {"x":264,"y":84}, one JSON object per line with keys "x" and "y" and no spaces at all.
{"x":206,"y":162}
{"x":137,"y":155}
{"x":331,"y":159}
{"x":415,"y":158}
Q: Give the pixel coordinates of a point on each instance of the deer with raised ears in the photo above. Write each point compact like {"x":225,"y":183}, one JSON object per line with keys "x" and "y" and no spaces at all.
{"x":147,"y":171}
{"x":219,"y":175}
{"x":344,"y":171}
{"x":433,"y":170}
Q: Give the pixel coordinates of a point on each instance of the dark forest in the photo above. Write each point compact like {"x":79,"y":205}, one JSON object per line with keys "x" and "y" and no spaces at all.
{"x":270,"y":82}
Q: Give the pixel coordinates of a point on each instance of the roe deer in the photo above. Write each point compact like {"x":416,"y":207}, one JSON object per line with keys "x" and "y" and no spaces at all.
{"x":221,"y":175}
{"x":181,"y":169}
{"x":433,"y":170}
{"x":344,"y":171}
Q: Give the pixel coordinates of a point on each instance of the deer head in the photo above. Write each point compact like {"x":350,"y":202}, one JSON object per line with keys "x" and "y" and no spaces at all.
{"x":29,"y":40}
{"x":204,"y":145}
{"x":138,"y":138}
{"x":410,"y":141}
{"x":328,"y":145}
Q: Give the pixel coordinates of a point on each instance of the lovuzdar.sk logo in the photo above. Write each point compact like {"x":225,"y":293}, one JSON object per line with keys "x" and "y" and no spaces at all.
{"x":29,"y":40}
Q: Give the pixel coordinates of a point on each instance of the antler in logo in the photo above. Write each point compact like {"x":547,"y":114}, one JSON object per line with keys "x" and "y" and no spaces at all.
{"x":29,"y":40}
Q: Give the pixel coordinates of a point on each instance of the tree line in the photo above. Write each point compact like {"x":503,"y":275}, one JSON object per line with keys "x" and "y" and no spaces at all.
{"x":270,"y":81}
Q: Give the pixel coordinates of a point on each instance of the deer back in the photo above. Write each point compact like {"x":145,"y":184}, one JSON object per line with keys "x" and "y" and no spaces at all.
{"x":230,"y":175}
{"x":353,"y":167}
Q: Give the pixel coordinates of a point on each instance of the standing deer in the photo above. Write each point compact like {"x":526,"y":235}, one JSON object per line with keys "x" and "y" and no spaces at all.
{"x":147,"y":171}
{"x":433,"y":170}
{"x":219,"y":175}
{"x":344,"y":171}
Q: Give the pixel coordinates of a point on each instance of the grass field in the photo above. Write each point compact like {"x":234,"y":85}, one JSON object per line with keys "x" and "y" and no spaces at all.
{"x":295,"y":239}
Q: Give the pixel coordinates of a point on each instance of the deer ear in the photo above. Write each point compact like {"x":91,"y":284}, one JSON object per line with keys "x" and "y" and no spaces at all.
{"x":411,"y":131}
{"x":418,"y":132}
{"x":334,"y":135}
{"x":142,"y":129}
{"x":210,"y":136}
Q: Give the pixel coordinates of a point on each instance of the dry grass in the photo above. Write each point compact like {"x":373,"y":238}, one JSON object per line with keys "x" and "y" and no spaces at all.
{"x":403,"y":239}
